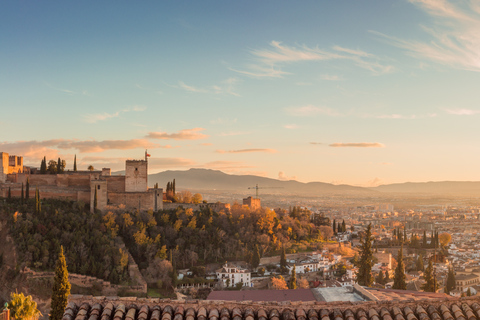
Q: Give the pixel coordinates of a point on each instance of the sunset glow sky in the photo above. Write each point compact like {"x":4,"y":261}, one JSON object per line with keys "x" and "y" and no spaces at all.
{"x":356,"y":92}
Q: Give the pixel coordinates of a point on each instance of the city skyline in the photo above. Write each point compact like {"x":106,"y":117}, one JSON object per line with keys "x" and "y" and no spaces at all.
{"x":357,"y":93}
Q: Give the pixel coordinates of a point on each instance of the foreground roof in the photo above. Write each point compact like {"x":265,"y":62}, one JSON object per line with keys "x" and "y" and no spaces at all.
{"x":104,"y":308}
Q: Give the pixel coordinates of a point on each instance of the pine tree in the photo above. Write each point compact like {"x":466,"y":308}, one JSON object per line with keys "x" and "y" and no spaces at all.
{"x":399,"y":279}
{"x":344,"y":226}
{"x":23,"y":195}
{"x":27,"y":190}
{"x":364,"y":274}
{"x":61,"y":288}
{"x":256,"y":257}
{"x":75,"y":163}
{"x":430,"y":283}
{"x":450,"y":281}
{"x":283,"y":261}
{"x":293,"y":279}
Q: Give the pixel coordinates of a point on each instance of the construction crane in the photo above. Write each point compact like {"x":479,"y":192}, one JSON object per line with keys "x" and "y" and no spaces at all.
{"x":257,"y":187}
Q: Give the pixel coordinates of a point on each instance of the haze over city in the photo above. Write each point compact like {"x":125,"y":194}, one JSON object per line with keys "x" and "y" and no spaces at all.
{"x":362,"y":93}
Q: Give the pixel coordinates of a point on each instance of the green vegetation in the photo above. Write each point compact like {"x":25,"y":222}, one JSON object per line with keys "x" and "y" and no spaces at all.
{"x":430,"y":281}
{"x":89,"y":249}
{"x":23,"y":307}
{"x":61,"y":288}
{"x":399,"y":278}
{"x":364,"y":274}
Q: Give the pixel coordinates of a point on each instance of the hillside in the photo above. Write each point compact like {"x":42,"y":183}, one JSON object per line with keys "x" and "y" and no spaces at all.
{"x":206,"y":179}
{"x":453,"y":188}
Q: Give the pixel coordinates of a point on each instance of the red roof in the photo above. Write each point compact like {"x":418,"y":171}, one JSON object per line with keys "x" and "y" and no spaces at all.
{"x":263,"y":295}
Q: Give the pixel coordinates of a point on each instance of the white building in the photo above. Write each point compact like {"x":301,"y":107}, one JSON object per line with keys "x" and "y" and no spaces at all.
{"x":232,"y":275}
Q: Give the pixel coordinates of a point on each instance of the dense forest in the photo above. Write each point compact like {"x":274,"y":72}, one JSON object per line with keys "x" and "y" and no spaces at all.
{"x":89,"y":249}
{"x":185,"y":237}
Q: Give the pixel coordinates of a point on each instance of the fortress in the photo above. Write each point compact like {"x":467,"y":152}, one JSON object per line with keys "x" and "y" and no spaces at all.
{"x":130,"y":190}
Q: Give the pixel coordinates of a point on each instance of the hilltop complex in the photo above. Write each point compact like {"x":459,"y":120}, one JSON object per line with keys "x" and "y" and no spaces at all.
{"x":130,"y":190}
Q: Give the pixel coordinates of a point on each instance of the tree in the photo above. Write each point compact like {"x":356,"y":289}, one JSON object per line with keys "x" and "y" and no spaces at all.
{"x":95,"y":201}
{"x":334,"y":227}
{"x":279,"y":283}
{"x":23,"y":307}
{"x":424,"y":239}
{"x":197,"y":198}
{"x":23,"y":195}
{"x":9,"y":195}
{"x":387,"y":276}
{"x":75,"y":163}
{"x":364,"y":273}
{"x":344,"y":226}
{"x":52,"y":167}
{"x":444,"y":238}
{"x":380,"y":279}
{"x":27,"y":190}
{"x":90,"y":168}
{"x":293,"y":279}
{"x":419,"y":264}
{"x":469,"y":293}
{"x":450,"y":285}
{"x":283,"y":261}
{"x":430,"y":282}
{"x":399,"y":279}
{"x":256,"y":257}
{"x":61,"y":288}
{"x":43,"y":166}
{"x":38,"y":203}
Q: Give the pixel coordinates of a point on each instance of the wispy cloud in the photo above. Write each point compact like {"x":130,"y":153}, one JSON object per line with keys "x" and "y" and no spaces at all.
{"x":186,"y":134}
{"x":401,"y":116}
{"x":290,"y":126}
{"x":454,"y":39}
{"x":59,"y":89}
{"x":317,"y":143}
{"x":247,"y":151}
{"x":270,"y":61}
{"x":357,"y":145}
{"x":95,"y":117}
{"x":462,"y":112}
{"x":34,"y":148}
{"x":226,"y":87}
{"x":311,"y":110}
{"x":282,"y":176}
{"x":190,"y":88}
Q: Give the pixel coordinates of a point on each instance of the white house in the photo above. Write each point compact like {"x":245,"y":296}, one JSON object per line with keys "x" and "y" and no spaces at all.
{"x":231,"y":275}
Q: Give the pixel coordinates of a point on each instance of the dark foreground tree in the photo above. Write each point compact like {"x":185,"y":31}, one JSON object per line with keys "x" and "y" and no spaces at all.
{"x":256,"y":257}
{"x":283,"y":261}
{"x":364,"y":274}
{"x":293,"y":279}
{"x":450,"y":281}
{"x":430,"y":281}
{"x":61,"y":288}
{"x":399,"y":279}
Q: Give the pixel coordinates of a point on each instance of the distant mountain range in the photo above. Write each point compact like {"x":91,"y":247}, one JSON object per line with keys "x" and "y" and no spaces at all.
{"x":206,"y":179}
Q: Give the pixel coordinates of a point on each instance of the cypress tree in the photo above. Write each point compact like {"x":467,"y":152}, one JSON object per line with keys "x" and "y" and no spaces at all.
{"x":469,"y":293}
{"x":339,"y":227}
{"x":293,"y":279}
{"x":23,"y":195}
{"x":43,"y":166}
{"x":424,"y":238}
{"x":256,"y":257}
{"x":399,"y":279}
{"x":430,"y":283}
{"x":27,"y":190}
{"x":75,"y":163}
{"x":387,"y":277}
{"x":450,"y":281}
{"x":334,"y":226}
{"x":173,"y":187}
{"x":59,"y":165}
{"x":364,"y":274}
{"x":283,"y":261}
{"x":380,"y":279}
{"x":404,"y":234}
{"x":61,"y":288}
{"x":344,"y":226}
{"x":9,"y":196}
{"x":95,"y":200}
{"x":419,"y":264}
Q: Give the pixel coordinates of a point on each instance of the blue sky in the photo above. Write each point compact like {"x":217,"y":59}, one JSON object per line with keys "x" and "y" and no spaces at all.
{"x":356,"y":92}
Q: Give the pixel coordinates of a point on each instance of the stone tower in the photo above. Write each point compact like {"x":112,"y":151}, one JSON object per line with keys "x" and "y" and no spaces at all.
{"x":4,"y":162}
{"x":136,"y":175}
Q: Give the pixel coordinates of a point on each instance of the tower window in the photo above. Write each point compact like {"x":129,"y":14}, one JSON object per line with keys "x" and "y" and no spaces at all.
{"x":98,"y":187}
{"x":136,"y":169}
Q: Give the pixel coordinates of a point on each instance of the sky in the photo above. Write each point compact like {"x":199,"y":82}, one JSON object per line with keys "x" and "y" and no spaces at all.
{"x":346,"y":92}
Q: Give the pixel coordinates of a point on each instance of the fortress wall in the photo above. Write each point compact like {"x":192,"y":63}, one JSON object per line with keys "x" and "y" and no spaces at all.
{"x":41,"y":180}
{"x":136,"y":173}
{"x":132,"y":200}
{"x":115,"y":183}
